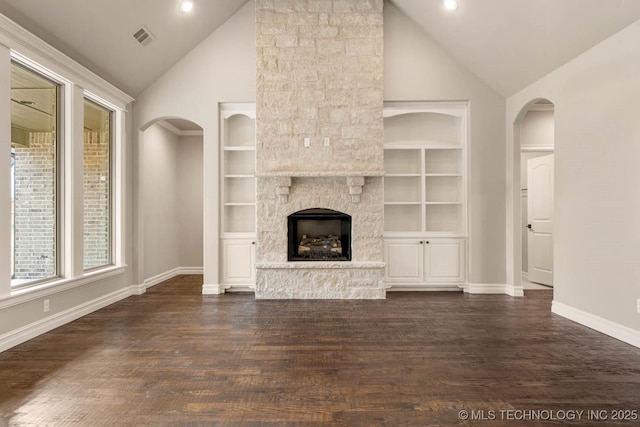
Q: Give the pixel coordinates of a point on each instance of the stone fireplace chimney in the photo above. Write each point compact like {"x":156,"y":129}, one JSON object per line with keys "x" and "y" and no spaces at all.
{"x":319,"y":141}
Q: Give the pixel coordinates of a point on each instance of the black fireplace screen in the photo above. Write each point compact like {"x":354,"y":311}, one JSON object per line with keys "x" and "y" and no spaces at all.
{"x":319,"y":235}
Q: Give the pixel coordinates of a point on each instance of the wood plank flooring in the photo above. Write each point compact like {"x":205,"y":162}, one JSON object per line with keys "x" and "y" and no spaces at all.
{"x":173,"y":357}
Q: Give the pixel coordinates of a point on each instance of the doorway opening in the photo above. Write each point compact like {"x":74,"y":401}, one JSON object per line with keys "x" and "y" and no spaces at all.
{"x":170,"y":214}
{"x":535,"y":145}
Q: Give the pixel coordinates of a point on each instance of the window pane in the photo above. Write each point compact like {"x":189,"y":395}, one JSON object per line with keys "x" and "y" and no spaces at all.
{"x":97,"y":186}
{"x":34,"y":136}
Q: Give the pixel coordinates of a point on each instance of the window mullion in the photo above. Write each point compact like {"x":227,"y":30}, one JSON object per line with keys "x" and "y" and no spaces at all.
{"x":73,"y":182}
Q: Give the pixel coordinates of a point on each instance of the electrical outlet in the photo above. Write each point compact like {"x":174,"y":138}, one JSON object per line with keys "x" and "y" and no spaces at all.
{"x":326,"y":141}
{"x":307,"y":142}
{"x":638,"y":305}
{"x":46,"y":306}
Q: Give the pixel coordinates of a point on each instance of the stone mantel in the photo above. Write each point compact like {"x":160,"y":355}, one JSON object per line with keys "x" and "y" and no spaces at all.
{"x":355,"y":181}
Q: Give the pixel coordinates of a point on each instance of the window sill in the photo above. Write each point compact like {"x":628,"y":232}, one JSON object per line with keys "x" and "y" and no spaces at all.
{"x":40,"y":290}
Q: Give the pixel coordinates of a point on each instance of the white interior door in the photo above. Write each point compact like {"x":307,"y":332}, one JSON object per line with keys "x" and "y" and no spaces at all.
{"x":540,"y":219}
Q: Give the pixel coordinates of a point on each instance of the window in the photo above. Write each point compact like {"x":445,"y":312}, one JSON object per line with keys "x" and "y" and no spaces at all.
{"x":97,"y":186}
{"x":35,"y":172}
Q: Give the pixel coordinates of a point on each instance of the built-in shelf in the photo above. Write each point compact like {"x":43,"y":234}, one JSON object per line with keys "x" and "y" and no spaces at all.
{"x":425,"y":168}
{"x":238,"y":195}
{"x":238,"y":158}
{"x":425,"y":200}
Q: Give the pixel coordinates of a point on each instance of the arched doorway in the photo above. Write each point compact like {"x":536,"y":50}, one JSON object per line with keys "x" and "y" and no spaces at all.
{"x":170,"y":200}
{"x":533,"y":172}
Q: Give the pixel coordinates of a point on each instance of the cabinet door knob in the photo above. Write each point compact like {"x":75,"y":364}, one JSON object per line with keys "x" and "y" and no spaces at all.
{"x":253,"y":243}
{"x":427,"y":242}
{"x":421,"y":242}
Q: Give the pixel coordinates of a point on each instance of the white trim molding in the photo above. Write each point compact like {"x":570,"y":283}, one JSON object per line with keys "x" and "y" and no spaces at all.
{"x":32,"y":330}
{"x":213,"y":289}
{"x":493,"y":288}
{"x":607,"y":327}
{"x":30,"y":293}
{"x":536,"y":148}
{"x":396,"y":287}
{"x":514,"y":290}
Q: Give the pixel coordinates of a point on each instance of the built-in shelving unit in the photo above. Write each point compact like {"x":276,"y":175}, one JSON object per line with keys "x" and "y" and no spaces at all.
{"x":238,"y":193}
{"x":237,"y":128}
{"x":425,"y":146}
{"x":424,"y":159}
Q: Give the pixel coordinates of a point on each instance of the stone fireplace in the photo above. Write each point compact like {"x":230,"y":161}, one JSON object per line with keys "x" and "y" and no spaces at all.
{"x":319,"y":145}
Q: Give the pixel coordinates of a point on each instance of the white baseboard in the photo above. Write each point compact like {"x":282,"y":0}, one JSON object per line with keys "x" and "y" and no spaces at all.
{"x":213,"y":289}
{"x":470,"y":288}
{"x":190,"y":270}
{"x":159,"y":278}
{"x":514,"y":290}
{"x":487,"y":288}
{"x":32,"y":330}
{"x":422,"y":288}
{"x":138,"y":289}
{"x":607,"y":327}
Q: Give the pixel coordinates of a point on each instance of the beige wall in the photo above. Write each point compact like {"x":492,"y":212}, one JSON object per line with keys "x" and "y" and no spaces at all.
{"x":597,"y":201}
{"x":160,"y":198}
{"x":190,"y":197}
{"x":537,"y":129}
{"x":172,"y":197}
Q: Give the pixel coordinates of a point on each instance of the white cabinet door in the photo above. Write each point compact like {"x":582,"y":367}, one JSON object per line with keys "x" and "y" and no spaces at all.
{"x":426,"y":262}
{"x":444,"y":261}
{"x":404,"y":260}
{"x":238,"y":261}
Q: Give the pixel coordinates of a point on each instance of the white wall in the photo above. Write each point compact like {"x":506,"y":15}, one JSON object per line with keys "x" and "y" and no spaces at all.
{"x":220,"y":69}
{"x":597,"y":199}
{"x":416,"y":68}
{"x":190,"y":196}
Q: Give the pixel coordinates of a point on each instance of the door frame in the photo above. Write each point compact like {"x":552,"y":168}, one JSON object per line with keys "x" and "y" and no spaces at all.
{"x":513,"y":202}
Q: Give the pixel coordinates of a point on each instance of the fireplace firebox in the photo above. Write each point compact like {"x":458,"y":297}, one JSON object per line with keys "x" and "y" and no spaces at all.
{"x":319,"y":235}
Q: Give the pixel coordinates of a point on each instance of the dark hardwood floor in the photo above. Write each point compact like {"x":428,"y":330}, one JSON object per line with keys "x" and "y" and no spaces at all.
{"x":173,"y":357}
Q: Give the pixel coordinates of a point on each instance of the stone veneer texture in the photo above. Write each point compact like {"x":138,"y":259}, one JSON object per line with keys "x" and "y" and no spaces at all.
{"x":319,"y":75}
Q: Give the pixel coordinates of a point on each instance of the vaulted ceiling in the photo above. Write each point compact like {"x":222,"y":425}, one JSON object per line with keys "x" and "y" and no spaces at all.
{"x":507,"y":43}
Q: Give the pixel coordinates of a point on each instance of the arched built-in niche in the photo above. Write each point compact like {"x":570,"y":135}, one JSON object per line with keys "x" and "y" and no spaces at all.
{"x":170,"y":199}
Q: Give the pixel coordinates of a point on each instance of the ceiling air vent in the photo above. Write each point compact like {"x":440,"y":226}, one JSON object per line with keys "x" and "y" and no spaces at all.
{"x":144,"y":36}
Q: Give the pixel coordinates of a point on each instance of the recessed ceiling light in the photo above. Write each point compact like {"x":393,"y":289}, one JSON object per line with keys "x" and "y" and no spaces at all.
{"x":451,"y":4}
{"x":186,"y":6}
